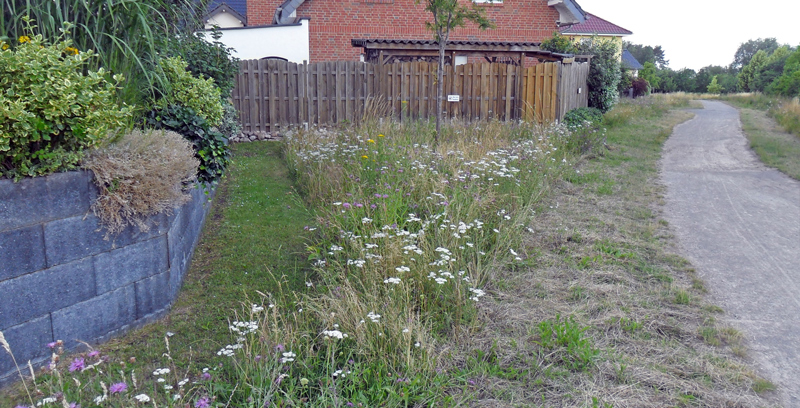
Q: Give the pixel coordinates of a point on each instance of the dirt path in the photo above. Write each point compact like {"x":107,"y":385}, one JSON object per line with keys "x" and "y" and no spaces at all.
{"x":739,"y":223}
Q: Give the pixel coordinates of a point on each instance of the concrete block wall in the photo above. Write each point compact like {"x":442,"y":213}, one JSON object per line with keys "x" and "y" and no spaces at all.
{"x":60,"y":279}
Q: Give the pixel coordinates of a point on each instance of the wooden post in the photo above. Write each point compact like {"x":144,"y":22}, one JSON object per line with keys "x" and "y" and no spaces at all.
{"x":520,"y":100}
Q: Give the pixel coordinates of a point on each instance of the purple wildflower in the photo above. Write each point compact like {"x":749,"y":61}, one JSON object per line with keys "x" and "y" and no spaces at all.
{"x":373,"y":206}
{"x":204,"y":402}
{"x":346,"y":205}
{"x":279,"y":347}
{"x":77,"y":364}
{"x":206,"y":376}
{"x":359,"y":205}
{"x":21,"y":406}
{"x":52,"y":345}
{"x":74,"y":405}
{"x":386,"y":196}
{"x":350,"y":404}
{"x":94,"y":353}
{"x":118,"y":388}
{"x":377,"y":195}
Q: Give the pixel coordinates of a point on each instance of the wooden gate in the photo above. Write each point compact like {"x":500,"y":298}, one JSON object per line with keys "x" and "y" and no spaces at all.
{"x":273,"y":94}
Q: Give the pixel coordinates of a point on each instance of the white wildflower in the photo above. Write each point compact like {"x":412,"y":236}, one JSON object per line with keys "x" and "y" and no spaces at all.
{"x":392,"y":280}
{"x":142,"y":398}
{"x":288,"y":357}
{"x":334,"y":334}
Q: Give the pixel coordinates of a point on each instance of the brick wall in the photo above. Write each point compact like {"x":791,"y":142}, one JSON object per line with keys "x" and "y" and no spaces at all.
{"x":61,"y":280}
{"x":335,"y":22}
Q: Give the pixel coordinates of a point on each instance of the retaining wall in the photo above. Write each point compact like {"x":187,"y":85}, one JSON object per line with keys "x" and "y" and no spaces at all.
{"x":59,"y":277}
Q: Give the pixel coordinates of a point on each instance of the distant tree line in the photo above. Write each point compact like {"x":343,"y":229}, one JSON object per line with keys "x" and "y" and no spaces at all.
{"x":760,"y":65}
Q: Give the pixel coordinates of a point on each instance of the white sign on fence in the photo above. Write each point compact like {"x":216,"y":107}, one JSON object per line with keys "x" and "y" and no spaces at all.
{"x":453,"y":98}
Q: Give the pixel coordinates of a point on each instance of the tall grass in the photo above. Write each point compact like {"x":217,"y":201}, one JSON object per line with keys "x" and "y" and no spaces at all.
{"x":786,"y":111}
{"x":124,"y":33}
{"x":404,"y":249}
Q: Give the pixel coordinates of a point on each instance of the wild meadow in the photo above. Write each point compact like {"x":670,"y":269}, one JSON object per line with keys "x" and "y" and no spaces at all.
{"x":405,"y":237}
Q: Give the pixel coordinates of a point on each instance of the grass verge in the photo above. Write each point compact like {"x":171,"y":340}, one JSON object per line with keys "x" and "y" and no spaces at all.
{"x":602,"y":312}
{"x":773,"y":128}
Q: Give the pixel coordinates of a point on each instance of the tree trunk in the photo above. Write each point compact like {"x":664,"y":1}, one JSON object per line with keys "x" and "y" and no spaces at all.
{"x":439,"y":89}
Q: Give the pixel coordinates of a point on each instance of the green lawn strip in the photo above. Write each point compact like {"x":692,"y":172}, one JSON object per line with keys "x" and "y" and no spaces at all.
{"x":253,"y":235}
{"x":604,"y":312}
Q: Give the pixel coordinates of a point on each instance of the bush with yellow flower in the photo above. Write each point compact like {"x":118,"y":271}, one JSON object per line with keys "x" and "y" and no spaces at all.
{"x":52,"y":107}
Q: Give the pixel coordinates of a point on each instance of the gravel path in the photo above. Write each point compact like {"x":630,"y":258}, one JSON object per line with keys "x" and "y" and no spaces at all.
{"x":739,"y":223}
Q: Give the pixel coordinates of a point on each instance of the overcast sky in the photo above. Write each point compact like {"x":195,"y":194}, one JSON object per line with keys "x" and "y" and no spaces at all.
{"x":697,"y":33}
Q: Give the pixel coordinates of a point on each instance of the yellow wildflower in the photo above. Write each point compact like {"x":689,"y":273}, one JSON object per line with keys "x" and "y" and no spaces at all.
{"x":365,"y":157}
{"x":71,"y":51}
{"x":23,"y":39}
{"x":4,"y":46}
{"x":380,"y":135}
{"x":370,"y":141}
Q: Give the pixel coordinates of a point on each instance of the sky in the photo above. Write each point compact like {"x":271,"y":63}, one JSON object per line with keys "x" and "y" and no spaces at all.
{"x":698,"y":33}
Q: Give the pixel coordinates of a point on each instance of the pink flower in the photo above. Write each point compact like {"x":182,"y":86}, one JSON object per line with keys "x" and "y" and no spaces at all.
{"x":94,"y":353}
{"x":118,"y":388}
{"x":346,"y":205}
{"x":206,"y":376}
{"x":52,"y":345}
{"x":77,"y":364}
{"x":203,"y":403}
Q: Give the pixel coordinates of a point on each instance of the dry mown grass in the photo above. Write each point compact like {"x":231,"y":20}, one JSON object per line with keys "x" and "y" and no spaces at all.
{"x":141,"y":174}
{"x":600,"y":252}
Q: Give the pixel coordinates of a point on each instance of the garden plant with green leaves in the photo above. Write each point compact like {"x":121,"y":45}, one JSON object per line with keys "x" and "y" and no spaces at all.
{"x":53,"y":106}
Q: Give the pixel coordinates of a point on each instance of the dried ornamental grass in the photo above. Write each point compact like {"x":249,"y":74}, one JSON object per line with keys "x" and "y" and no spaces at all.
{"x":142,"y":174}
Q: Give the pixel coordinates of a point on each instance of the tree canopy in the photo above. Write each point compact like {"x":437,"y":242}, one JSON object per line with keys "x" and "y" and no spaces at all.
{"x":748,"y":49}
{"x":647,"y":53}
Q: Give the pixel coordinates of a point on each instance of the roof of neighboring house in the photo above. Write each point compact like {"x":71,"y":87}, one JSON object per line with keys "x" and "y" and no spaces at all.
{"x":595,"y":25}
{"x":629,"y":61}
{"x":237,"y":7}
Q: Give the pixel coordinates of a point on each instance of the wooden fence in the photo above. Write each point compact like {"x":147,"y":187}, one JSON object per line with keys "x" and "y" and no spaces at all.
{"x":273,"y":94}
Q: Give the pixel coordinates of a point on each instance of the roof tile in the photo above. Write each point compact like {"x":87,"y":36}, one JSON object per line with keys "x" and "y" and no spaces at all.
{"x":595,"y":25}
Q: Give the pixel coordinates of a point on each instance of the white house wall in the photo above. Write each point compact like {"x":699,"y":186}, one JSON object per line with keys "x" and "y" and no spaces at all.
{"x":223,"y":20}
{"x":288,"y":41}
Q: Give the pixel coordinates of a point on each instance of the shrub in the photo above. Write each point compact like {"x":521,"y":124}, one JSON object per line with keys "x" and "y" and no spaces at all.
{"x":210,"y":146}
{"x":578,"y":116}
{"x":640,"y":87}
{"x":201,"y":95}
{"x":52,"y":107}
{"x":207,"y":57}
{"x":604,"y":73}
{"x":140,"y":175}
{"x":714,"y":87}
{"x":229,"y":125}
{"x":625,"y":81}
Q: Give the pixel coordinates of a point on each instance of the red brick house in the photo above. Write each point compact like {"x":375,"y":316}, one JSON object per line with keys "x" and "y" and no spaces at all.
{"x":333,"y":24}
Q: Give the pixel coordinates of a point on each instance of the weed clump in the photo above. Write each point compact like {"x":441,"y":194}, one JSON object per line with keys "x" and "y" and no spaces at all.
{"x":143,"y":173}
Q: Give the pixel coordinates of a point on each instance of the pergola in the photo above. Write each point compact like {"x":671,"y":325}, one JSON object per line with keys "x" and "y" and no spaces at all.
{"x":386,"y":51}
